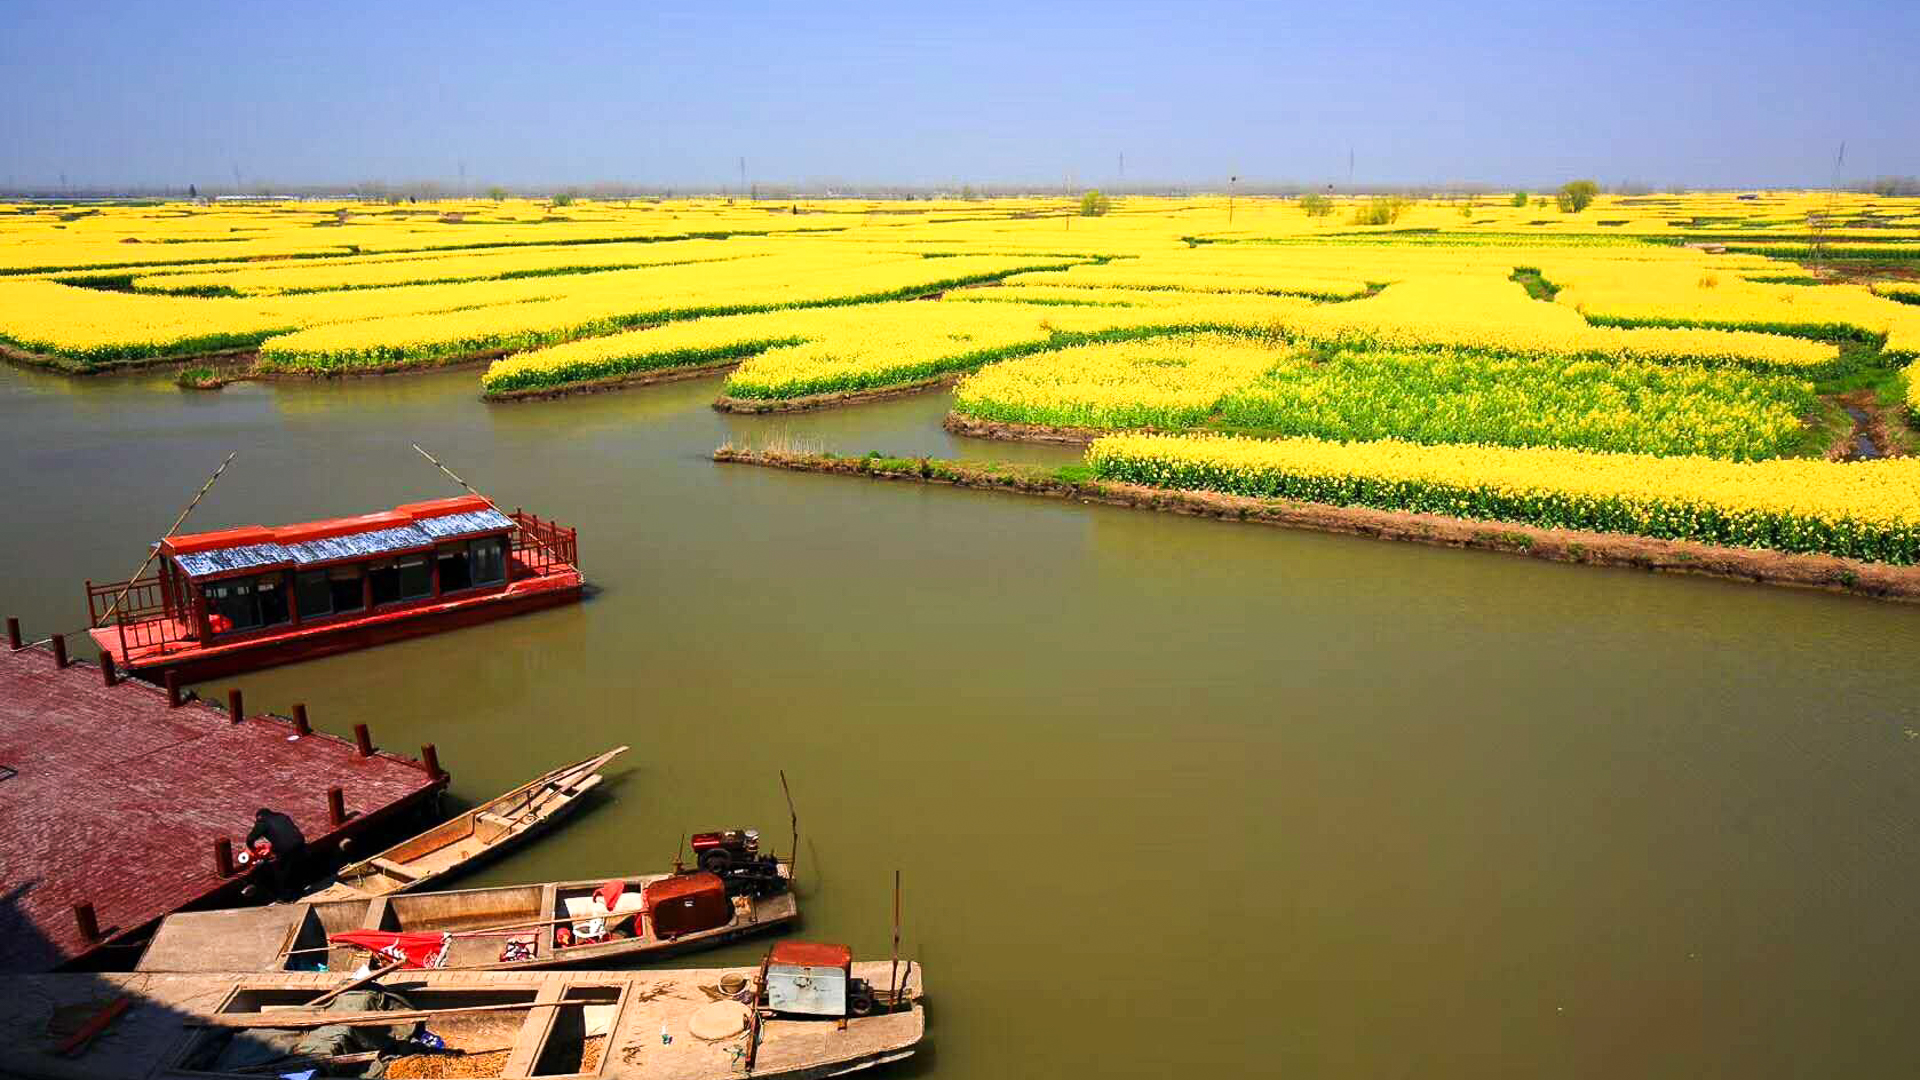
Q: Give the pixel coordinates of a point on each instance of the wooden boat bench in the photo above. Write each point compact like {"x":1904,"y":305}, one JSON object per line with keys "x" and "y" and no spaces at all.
{"x":394,"y":868}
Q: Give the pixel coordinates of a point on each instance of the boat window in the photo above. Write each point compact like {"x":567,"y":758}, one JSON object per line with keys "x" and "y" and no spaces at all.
{"x":344,"y":582}
{"x":245,"y":603}
{"x":230,"y":605}
{"x":316,"y":598}
{"x":271,"y":592}
{"x":489,"y":560}
{"x":455,"y":571}
{"x":416,"y":577}
{"x":385,"y":578}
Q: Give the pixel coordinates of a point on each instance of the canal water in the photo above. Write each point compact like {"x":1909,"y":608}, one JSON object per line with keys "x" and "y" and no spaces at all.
{"x":1169,"y":796}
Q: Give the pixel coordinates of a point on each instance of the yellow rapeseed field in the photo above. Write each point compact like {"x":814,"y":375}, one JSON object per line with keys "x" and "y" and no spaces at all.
{"x":1865,"y":510}
{"x":1691,"y":329}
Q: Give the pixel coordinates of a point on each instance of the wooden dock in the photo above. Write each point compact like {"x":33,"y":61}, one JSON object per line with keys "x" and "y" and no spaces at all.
{"x":118,"y":806}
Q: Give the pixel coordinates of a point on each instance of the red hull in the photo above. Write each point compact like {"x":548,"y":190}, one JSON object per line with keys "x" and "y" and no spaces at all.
{"x":199,"y":664}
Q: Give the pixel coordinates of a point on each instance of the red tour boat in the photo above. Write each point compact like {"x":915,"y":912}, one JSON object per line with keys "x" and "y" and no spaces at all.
{"x":240,"y":599}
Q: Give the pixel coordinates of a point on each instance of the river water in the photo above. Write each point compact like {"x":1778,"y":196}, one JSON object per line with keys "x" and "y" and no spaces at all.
{"x":1170,"y":796}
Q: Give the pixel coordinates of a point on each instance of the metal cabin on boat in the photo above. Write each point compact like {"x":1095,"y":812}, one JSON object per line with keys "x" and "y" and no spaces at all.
{"x":247,"y":598}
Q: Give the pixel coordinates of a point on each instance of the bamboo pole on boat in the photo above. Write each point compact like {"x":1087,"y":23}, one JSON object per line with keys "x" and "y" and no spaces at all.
{"x":355,"y":984}
{"x":793,"y":819}
{"x":487,"y":931}
{"x":496,"y":506}
{"x":155,"y":550}
{"x":753,"y":1029}
{"x":306,"y":1018}
{"x":893,"y":973}
{"x":900,"y":996}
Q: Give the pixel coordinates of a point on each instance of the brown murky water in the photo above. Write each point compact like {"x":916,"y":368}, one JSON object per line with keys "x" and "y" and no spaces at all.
{"x":1171,"y":797}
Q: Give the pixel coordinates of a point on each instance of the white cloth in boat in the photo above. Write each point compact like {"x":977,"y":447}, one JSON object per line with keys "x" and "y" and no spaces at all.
{"x":589,"y":910}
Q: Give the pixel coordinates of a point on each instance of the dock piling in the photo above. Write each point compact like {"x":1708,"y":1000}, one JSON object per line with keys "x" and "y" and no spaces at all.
{"x":172,"y":681}
{"x":300,"y":718}
{"x":235,"y":710}
{"x":89,"y":922}
{"x":430,"y":757}
{"x":363,"y":740}
{"x":59,"y":650}
{"x":107,"y":675}
{"x":13,"y":633}
{"x":223,"y":856}
{"x":336,"y":807}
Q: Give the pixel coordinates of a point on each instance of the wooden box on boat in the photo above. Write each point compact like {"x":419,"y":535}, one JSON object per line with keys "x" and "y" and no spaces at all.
{"x":293,"y":937}
{"x":464,"y":841}
{"x":619,"y":1025}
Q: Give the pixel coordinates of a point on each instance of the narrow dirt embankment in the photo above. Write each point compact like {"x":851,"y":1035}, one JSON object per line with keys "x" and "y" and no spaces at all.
{"x":611,"y":382}
{"x":756,"y":406}
{"x":1824,"y":572}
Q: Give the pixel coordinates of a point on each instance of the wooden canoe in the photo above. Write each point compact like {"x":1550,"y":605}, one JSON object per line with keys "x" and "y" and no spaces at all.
{"x":619,"y":1025}
{"x":294,"y":937}
{"x":479,"y":834}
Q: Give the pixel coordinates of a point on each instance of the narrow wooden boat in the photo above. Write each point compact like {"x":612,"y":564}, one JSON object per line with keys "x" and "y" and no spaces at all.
{"x":638,"y":1025}
{"x":481,"y":833}
{"x":495,"y":929}
{"x":241,"y":599}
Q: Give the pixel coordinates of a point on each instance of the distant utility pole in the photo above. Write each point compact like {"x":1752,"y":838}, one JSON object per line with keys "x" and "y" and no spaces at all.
{"x":743,"y":176}
{"x":1231,"y":180}
{"x":463,"y":178}
{"x":1820,"y":223}
{"x":1123,"y":166}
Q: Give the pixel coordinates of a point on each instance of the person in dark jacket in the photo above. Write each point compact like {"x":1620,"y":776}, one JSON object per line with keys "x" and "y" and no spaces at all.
{"x":286,"y":850}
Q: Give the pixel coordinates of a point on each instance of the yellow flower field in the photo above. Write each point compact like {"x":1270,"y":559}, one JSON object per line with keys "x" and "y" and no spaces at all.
{"x":1682,"y":326}
{"x":1865,"y":510}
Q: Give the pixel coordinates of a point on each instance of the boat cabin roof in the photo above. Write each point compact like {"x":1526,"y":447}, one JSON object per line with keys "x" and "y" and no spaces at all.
{"x":812,"y":954}
{"x":409,"y":527}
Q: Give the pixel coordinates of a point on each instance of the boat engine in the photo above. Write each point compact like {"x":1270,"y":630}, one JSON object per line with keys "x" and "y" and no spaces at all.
{"x":734,"y":856}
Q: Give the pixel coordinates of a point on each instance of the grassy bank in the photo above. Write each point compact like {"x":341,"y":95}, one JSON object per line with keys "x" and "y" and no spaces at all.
{"x":1079,"y":483}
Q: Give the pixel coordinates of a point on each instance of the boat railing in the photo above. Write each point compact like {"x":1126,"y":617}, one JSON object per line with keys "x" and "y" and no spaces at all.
{"x":137,"y":610}
{"x":544,"y":547}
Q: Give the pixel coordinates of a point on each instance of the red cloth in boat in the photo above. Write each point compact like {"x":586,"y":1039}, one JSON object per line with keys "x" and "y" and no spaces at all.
{"x":418,"y":949}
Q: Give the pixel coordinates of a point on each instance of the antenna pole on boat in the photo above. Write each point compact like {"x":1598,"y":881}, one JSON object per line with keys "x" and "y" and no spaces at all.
{"x":455,"y":477}
{"x":177,"y":522}
{"x":893,"y":974}
{"x":793,"y":819}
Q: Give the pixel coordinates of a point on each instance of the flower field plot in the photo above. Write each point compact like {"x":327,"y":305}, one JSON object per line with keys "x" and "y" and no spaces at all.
{"x":1858,"y":510}
{"x":1678,"y":328}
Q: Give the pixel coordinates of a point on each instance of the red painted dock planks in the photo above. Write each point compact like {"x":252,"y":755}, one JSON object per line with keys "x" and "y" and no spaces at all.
{"x":117,"y":800}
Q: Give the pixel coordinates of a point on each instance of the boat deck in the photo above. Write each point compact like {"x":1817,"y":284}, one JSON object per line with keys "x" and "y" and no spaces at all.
{"x":112,"y":798}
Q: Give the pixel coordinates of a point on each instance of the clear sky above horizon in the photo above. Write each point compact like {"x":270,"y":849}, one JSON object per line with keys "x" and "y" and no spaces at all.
{"x":1759,"y":93}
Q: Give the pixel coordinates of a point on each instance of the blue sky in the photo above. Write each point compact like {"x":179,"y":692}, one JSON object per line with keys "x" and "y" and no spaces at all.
{"x":1706,"y":94}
